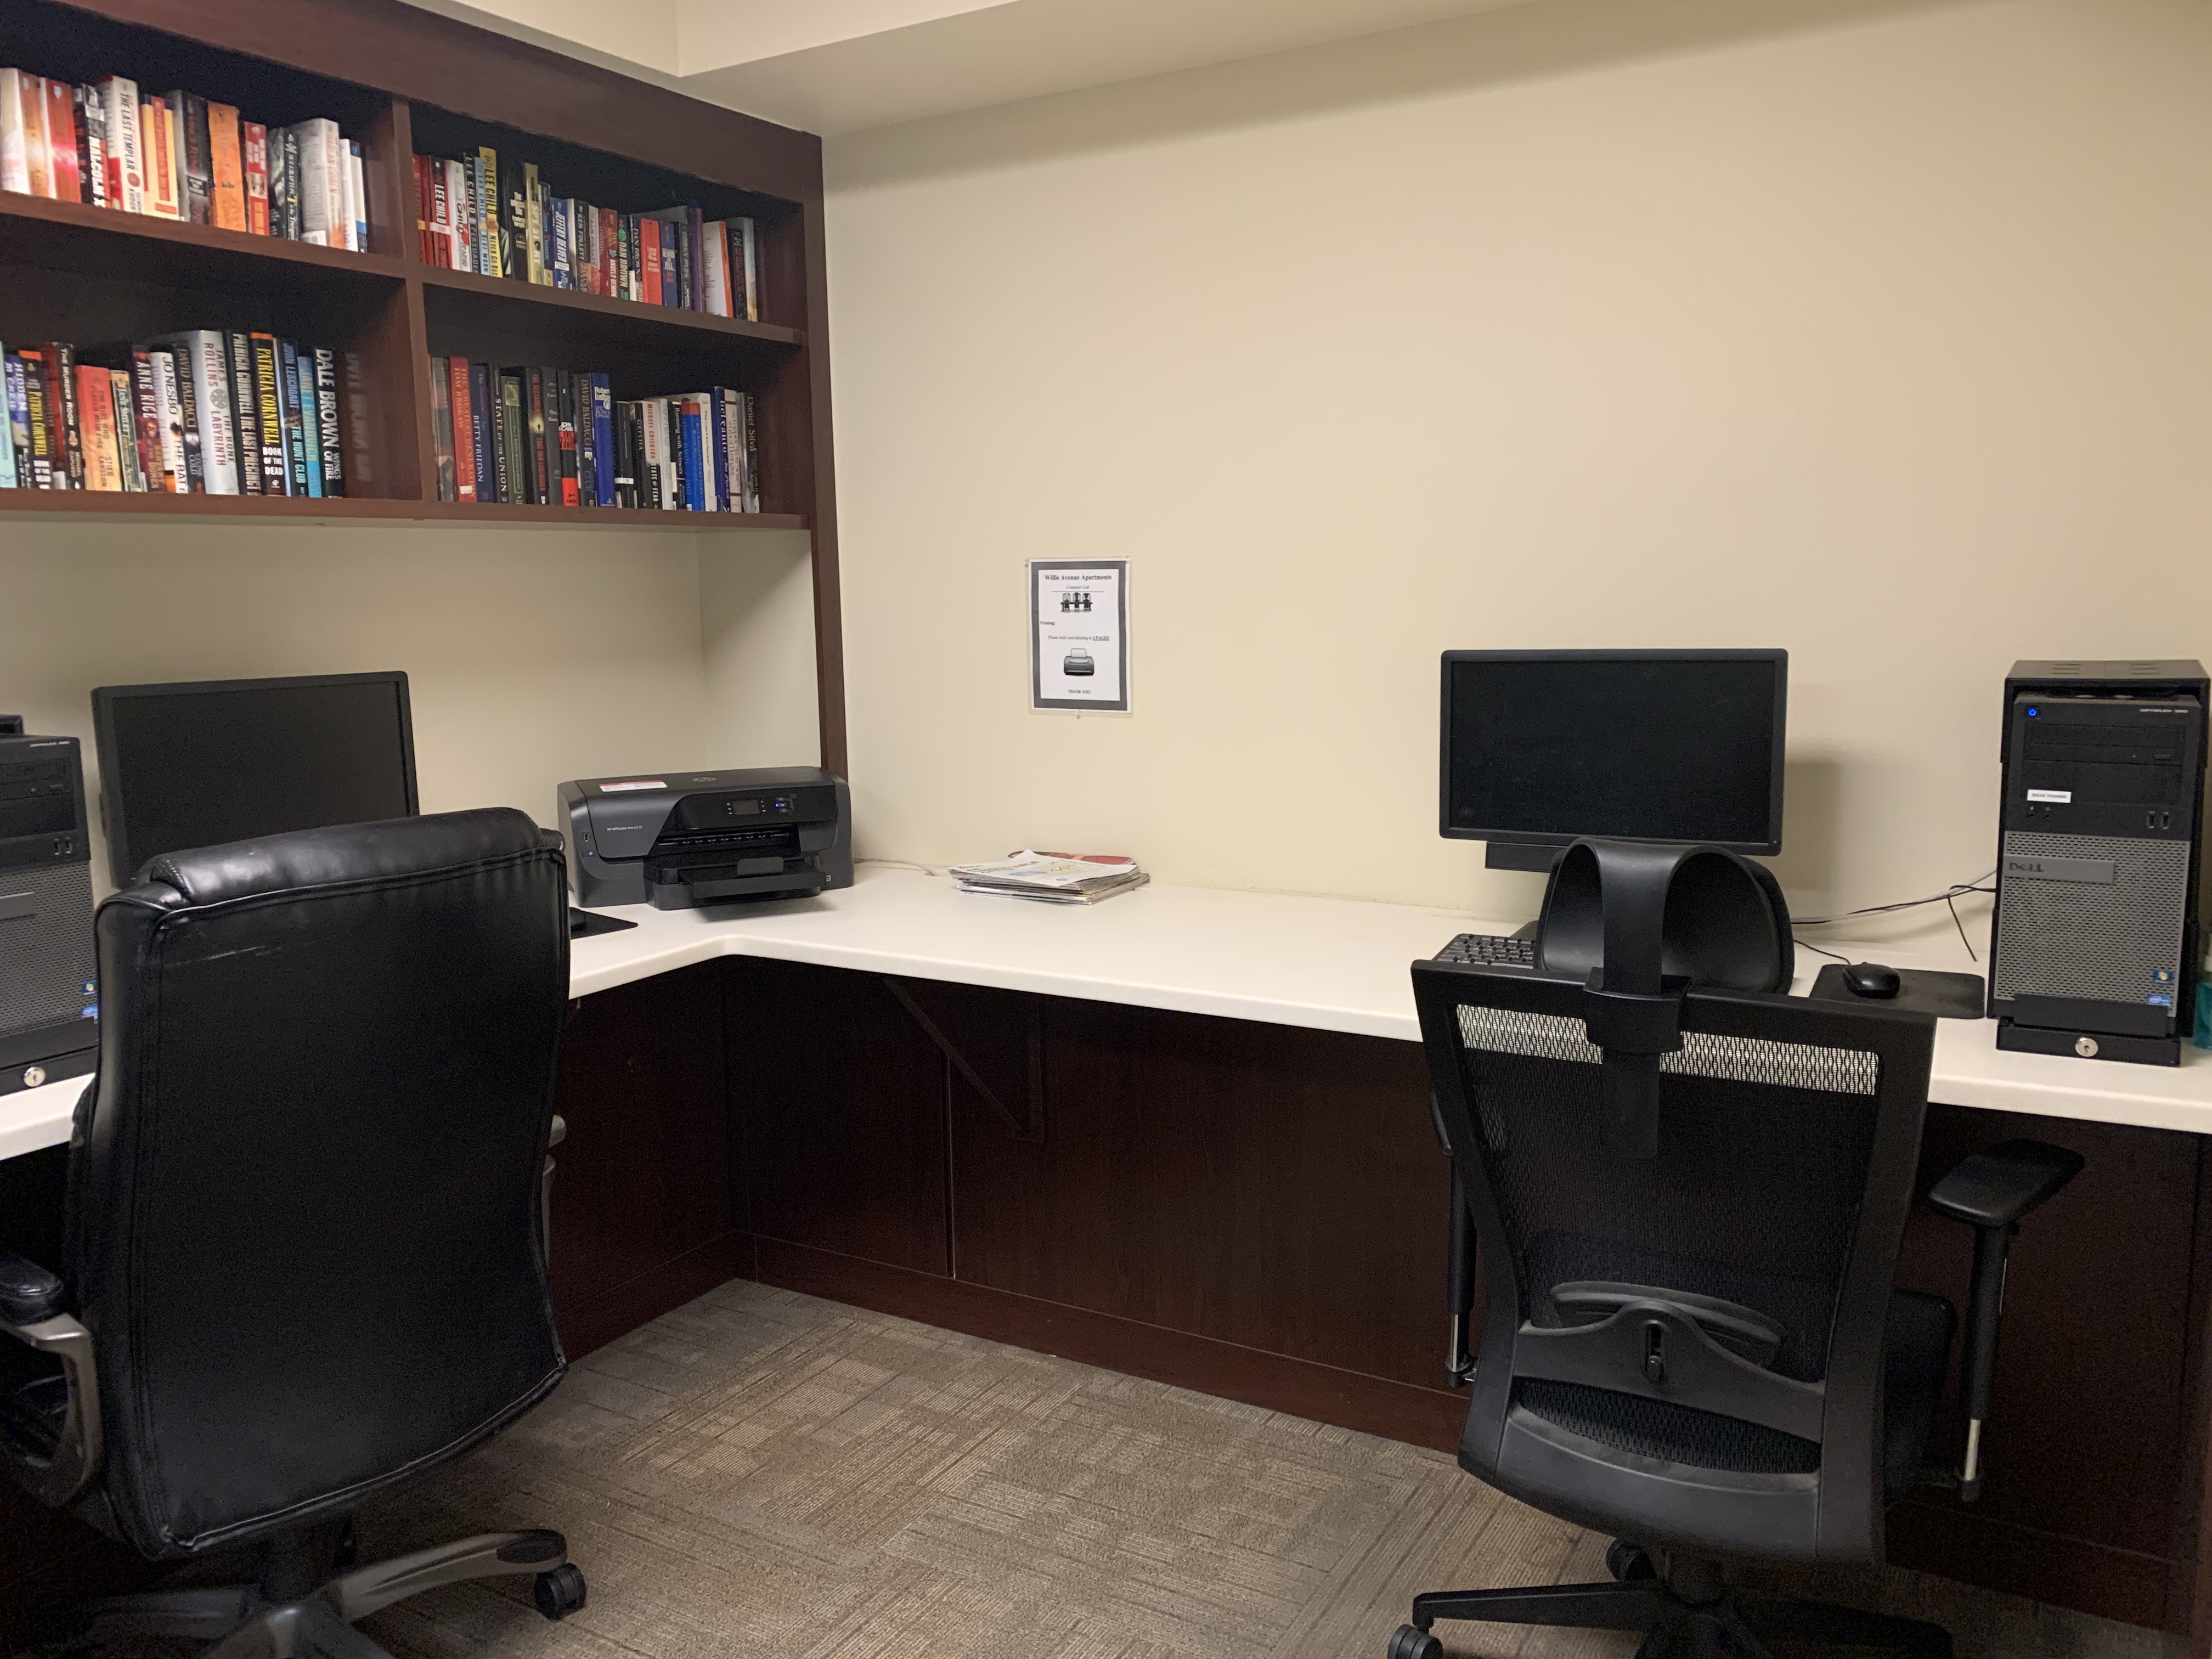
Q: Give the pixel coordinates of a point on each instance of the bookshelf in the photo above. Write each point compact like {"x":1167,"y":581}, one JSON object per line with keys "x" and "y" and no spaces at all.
{"x":399,"y":80}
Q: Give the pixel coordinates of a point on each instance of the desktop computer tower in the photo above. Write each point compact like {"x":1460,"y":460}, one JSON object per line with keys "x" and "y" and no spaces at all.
{"x":49,"y":996}
{"x":2094,"y":946}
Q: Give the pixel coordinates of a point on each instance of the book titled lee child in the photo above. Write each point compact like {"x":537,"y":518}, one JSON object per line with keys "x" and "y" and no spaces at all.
{"x":253,"y":169}
{"x":227,"y":198}
{"x":330,"y":436}
{"x":196,"y":158}
{"x":269,"y":405}
{"x":464,"y":438}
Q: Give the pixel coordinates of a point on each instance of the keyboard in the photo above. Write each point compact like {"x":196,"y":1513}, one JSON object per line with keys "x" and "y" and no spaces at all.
{"x":1490,"y":950}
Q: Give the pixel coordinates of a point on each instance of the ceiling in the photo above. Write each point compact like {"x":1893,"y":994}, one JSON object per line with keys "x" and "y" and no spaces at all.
{"x":840,"y":66}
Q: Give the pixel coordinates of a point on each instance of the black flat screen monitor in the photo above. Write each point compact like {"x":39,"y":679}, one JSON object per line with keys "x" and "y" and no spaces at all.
{"x":207,"y":762}
{"x":1542,"y":748}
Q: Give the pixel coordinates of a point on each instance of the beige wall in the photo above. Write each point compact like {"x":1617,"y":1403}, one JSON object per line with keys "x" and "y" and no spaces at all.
{"x":1881,"y":331}
{"x":532,"y":656}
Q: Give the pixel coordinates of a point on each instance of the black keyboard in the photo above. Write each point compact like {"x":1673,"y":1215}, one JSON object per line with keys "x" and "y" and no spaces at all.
{"x":1490,"y":950}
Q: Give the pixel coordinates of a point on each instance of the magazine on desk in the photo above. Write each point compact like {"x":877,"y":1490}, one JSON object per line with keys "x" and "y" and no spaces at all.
{"x":1053,"y":877}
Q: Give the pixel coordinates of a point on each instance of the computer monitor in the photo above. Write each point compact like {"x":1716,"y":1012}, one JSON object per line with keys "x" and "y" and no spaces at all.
{"x":1542,"y":748}
{"x":202,"y":762}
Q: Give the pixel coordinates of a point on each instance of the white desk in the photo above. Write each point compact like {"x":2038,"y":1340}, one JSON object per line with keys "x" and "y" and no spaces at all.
{"x":1334,"y":964}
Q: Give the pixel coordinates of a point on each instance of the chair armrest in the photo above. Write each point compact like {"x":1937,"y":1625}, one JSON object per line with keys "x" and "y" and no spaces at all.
{"x":76,"y":1464}
{"x":28,"y":1293}
{"x":1996,"y":1187}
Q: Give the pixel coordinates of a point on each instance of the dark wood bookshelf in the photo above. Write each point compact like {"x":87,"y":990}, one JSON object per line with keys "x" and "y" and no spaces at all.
{"x":398,"y":80}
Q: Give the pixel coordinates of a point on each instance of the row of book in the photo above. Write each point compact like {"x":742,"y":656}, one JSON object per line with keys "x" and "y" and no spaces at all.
{"x":178,"y":156}
{"x":555,"y":437}
{"x":500,"y":219}
{"x":203,"y":412}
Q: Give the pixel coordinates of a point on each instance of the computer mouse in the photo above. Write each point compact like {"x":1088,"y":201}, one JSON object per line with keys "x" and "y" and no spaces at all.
{"x":1871,"y":979}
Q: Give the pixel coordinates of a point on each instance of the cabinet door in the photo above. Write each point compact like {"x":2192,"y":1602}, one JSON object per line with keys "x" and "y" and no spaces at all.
{"x":838,"y":1096}
{"x":1265,"y":1185}
{"x":644,"y":1175}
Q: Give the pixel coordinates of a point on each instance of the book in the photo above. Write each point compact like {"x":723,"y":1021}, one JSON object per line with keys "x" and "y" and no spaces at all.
{"x":95,"y":403}
{"x":61,"y":403}
{"x":626,"y":464}
{"x":357,"y":195}
{"x":253,"y":169}
{"x":564,"y":389}
{"x":227,"y":182}
{"x":269,"y":406}
{"x":441,"y":429}
{"x":315,"y":154}
{"x":65,"y":169}
{"x":91,"y":144}
{"x":648,"y":228}
{"x":461,"y":255}
{"x":194,"y":158}
{"x":483,"y":424}
{"x":746,"y":407}
{"x":201,"y":364}
{"x":37,"y":426}
{"x":512,"y":449}
{"x":533,"y":225}
{"x":514,"y":221}
{"x":714,"y":431}
{"x":38,"y":155}
{"x":123,"y":412}
{"x":588,"y":473}
{"x":671,"y":226}
{"x":146,"y":423}
{"x":360,"y":475}
{"x":543,"y":442}
{"x":487,"y":213}
{"x":15,"y":426}
{"x":656,"y":488}
{"x":561,"y":244}
{"x":160,"y":162}
{"x":692,"y":441}
{"x":464,"y":429}
{"x":329,"y":436}
{"x":294,"y":418}
{"x":608,"y":237}
{"x":302,"y":366}
{"x":192,"y":477}
{"x":746,"y":258}
{"x":126,"y":160}
{"x":246,"y":414}
{"x":717,"y":269}
{"x":155,"y":373}
{"x":602,"y":440}
{"x":15,"y":132}
{"x":284,"y":185}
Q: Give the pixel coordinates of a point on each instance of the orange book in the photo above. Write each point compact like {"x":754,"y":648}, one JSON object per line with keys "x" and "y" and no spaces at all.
{"x":37,"y":155}
{"x":153,"y":133}
{"x":96,"y":414}
{"x":61,"y":142}
{"x":227,"y":205}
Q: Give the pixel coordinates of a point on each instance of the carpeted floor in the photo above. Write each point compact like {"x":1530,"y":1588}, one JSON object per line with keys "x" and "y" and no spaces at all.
{"x":763,"y":1475}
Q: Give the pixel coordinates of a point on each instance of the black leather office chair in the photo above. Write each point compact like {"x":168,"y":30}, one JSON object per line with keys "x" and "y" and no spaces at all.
{"x":1701,"y":1351}
{"x":305,"y":1256}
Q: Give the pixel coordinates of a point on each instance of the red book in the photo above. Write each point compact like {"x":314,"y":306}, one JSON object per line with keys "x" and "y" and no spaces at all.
{"x":146,"y":406}
{"x":422,"y":209}
{"x":254,"y":142}
{"x":465,"y":448}
{"x":648,"y":239}
{"x":61,"y":135}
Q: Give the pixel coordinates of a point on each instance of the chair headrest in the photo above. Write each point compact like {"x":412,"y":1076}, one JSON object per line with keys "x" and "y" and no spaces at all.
{"x":344,"y":853}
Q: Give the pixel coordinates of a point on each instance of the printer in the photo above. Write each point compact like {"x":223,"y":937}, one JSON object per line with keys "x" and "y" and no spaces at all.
{"x":676,"y":841}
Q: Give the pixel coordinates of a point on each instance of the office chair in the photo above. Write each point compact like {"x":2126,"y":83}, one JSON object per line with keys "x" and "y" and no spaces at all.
{"x":1699,"y":1351}
{"x":305,"y":1256}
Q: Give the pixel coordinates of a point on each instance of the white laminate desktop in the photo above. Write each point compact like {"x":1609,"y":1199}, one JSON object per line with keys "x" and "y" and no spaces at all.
{"x":1287,"y":959}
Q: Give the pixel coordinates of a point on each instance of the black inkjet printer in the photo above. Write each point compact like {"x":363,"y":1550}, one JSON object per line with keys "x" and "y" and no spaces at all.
{"x":679,"y":840}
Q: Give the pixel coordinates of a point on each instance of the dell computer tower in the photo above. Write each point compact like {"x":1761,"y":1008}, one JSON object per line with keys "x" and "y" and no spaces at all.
{"x":2094,"y":946}
{"x":49,"y":1002}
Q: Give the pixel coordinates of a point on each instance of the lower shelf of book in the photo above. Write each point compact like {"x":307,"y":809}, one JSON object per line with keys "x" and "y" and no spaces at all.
{"x":21,"y":506}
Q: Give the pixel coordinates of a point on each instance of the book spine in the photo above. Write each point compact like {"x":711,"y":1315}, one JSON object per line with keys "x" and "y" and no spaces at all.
{"x":514,"y":223}
{"x":196,"y":158}
{"x":246,"y":409}
{"x":38,"y":155}
{"x":441,"y":428}
{"x":357,"y":187}
{"x":69,"y":432}
{"x":457,"y":217}
{"x":486,"y":176}
{"x":191,"y":450}
{"x":301,"y":365}
{"x":253,"y":169}
{"x":123,"y":415}
{"x":649,"y":251}
{"x":288,"y":405}
{"x":421,"y":166}
{"x":714,"y":435}
{"x":564,"y":274}
{"x":748,"y":254}
{"x":227,"y":198}
{"x":295,"y":187}
{"x":160,"y":162}
{"x":533,"y":219}
{"x":61,"y":141}
{"x":146,"y":422}
{"x":47,"y":470}
{"x":717,"y":244}
{"x":514,"y":447}
{"x":587,"y":459}
{"x":91,"y":144}
{"x":15,"y":413}
{"x":686,"y":271}
{"x":544,"y":441}
{"x":483,"y":421}
{"x":168,"y":413}
{"x":361,"y":456}
{"x":346,"y":234}
{"x":671,"y":287}
{"x":698,"y":475}
{"x":269,"y":402}
{"x":95,"y":403}
{"x":747,"y":408}
{"x":602,"y":440}
{"x":626,"y":454}
{"x":465,"y":442}
{"x":127,"y":156}
{"x":202,"y":361}
{"x":328,"y":434}
{"x":282,"y":194}
{"x":14,"y":133}
{"x":567,"y":399}
{"x":610,"y":237}
{"x":318,"y":188}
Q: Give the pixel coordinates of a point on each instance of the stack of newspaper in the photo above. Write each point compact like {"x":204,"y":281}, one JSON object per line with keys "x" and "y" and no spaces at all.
{"x":1056,"y":877}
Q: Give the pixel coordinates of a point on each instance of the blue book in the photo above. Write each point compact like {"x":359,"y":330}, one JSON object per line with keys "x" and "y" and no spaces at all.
{"x":295,"y":435}
{"x":311,"y":421}
{"x":695,"y":456}
{"x":603,"y":439}
{"x":564,"y":275}
{"x":14,"y":399}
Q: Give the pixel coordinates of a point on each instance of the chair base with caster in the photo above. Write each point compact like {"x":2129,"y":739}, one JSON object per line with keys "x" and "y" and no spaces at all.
{"x":1686,"y":1612}
{"x":303,"y":1608}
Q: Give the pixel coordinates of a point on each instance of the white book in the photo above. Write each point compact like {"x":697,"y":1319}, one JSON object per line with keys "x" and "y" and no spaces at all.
{"x":202,"y":354}
{"x":460,"y":211}
{"x":15,"y":135}
{"x":169,"y":419}
{"x":127,"y":154}
{"x":323,"y":217}
{"x":716,"y":238}
{"x":342,"y":234}
{"x":357,"y":189}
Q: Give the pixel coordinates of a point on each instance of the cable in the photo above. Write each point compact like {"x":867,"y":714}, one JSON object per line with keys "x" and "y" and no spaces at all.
{"x":1956,"y":891}
{"x":906,"y":864}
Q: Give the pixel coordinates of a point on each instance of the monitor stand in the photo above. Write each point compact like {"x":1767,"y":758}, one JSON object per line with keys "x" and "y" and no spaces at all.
{"x":1534,"y":856}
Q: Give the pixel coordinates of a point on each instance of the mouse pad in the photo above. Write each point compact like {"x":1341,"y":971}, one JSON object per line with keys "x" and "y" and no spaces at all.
{"x":1952,"y":996}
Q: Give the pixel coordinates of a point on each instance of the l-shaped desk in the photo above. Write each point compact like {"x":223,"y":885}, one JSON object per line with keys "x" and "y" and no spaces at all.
{"x":1184,"y":1134}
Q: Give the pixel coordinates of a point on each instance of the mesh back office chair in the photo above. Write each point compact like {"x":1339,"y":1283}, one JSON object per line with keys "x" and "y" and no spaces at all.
{"x":305,"y":1257}
{"x":1702,"y":1351}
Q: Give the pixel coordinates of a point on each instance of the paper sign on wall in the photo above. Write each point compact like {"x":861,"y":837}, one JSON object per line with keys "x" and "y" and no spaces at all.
{"x":1080,"y":634}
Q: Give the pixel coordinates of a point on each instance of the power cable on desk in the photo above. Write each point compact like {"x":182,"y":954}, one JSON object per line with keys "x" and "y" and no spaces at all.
{"x":1947,"y":899}
{"x":906,"y":864}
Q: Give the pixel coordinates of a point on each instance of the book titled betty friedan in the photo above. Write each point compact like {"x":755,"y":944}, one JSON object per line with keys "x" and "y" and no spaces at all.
{"x":1053,"y":877}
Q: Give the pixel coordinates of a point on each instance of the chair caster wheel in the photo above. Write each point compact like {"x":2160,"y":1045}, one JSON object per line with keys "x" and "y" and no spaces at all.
{"x":1627,"y":1562}
{"x":1411,"y":1642}
{"x":559,"y":1591}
